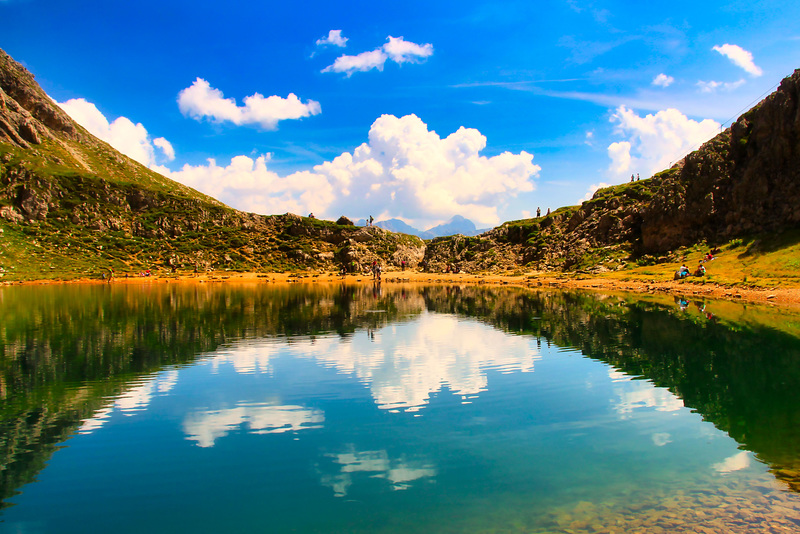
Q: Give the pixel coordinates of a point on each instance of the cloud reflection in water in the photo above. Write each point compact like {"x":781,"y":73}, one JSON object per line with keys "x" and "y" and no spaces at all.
{"x":413,"y":360}
{"x":205,"y":427}
{"x":399,"y":472}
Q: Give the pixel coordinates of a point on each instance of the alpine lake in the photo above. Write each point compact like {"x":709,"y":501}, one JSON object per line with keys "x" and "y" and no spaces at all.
{"x":350,"y":408}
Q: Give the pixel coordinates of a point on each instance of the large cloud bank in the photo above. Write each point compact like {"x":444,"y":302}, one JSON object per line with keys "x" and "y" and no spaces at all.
{"x":404,"y":170}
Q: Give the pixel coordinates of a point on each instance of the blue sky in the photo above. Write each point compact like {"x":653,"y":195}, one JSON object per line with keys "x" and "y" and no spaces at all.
{"x":415,"y":110}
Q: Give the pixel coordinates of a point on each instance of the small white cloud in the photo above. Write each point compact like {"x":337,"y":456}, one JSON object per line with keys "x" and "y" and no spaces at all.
{"x":349,"y":465}
{"x":334,"y":38}
{"x":362,"y":62}
{"x":201,"y":100}
{"x":396,"y":49}
{"x":166,"y":148}
{"x":712,"y":86}
{"x":740,"y":57}
{"x":662,"y":80}
{"x":206,"y":427}
{"x":401,"y":51}
{"x":635,"y":395}
{"x":129,"y":138}
{"x":653,"y":142}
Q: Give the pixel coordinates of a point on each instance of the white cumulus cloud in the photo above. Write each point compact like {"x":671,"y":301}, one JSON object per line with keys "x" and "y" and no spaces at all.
{"x":334,"y":38}
{"x":129,"y":138}
{"x":404,"y":170}
{"x":362,"y":62}
{"x":737,"y":462}
{"x":593,"y":189}
{"x":401,"y":51}
{"x":166,"y":147}
{"x":395,"y":49}
{"x":247,"y":184}
{"x":740,"y":57}
{"x":653,"y":142}
{"x":201,"y":100}
{"x":662,"y":80}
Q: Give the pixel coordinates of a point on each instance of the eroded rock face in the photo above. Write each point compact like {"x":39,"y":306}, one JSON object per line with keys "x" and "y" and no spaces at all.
{"x":26,"y":109}
{"x":745,"y":180}
{"x":33,"y":204}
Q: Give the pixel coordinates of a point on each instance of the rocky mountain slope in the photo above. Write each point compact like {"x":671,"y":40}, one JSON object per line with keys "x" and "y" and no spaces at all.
{"x":72,"y":205}
{"x":743,"y":182}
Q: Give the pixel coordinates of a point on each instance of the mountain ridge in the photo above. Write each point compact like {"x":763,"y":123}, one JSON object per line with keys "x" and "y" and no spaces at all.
{"x":456,"y":225}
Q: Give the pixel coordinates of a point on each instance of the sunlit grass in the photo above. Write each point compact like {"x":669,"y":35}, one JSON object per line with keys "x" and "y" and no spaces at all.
{"x":758,"y":262}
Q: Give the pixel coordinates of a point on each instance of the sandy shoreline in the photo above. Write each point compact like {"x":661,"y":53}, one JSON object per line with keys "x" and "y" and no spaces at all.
{"x":781,"y":296}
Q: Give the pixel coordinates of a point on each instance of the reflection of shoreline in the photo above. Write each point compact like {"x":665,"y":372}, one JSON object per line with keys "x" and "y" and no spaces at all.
{"x":784,"y":296}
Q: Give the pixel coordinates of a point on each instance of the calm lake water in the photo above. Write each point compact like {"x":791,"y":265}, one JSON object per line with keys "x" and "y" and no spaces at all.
{"x":340,"y":408}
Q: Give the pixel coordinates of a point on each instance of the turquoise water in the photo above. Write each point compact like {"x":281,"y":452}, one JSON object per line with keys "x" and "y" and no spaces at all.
{"x":394,"y":409}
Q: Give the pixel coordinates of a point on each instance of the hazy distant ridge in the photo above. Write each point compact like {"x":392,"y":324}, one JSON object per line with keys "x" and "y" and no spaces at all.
{"x":456,"y":225}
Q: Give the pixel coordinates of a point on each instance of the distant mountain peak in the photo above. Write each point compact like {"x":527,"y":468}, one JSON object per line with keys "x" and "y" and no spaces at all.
{"x":456,"y":225}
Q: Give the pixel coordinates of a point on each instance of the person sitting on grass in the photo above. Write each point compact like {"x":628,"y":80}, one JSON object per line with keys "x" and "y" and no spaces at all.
{"x":701,"y":270}
{"x":683,"y":272}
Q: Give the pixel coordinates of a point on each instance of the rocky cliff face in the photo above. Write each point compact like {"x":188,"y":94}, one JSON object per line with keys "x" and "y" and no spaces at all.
{"x":745,"y":181}
{"x":72,"y":203}
{"x":27,"y":116}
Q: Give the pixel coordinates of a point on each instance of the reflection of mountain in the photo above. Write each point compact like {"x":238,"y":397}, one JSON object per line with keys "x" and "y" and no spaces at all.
{"x":67,"y":350}
{"x":741,"y":376}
